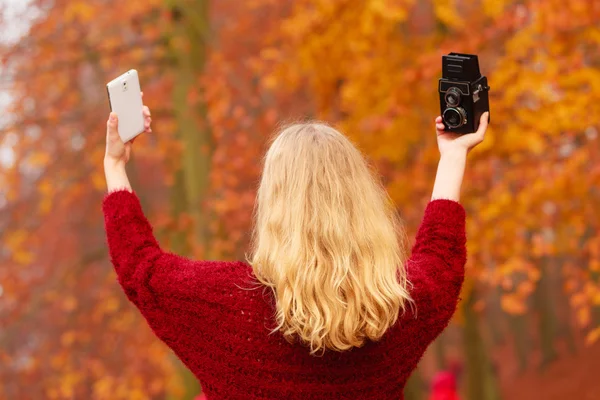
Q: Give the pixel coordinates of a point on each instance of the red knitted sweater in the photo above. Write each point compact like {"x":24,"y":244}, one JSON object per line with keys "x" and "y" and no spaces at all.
{"x":219,"y":326}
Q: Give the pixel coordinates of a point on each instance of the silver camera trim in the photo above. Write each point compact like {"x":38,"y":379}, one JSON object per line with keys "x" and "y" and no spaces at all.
{"x":457,"y":93}
{"x":463,"y":87}
{"x":461,"y":112}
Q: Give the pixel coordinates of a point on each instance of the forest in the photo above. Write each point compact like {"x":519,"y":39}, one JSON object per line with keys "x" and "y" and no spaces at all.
{"x":220,"y":77}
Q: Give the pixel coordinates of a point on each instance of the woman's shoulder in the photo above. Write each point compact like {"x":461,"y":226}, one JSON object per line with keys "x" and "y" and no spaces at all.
{"x":225,"y":281}
{"x":218,"y":273}
{"x":230,"y":272}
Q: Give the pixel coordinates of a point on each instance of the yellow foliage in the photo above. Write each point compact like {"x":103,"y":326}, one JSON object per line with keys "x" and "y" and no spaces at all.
{"x":369,"y":67}
{"x":512,"y":304}
{"x":494,"y":8}
{"x":45,"y":205}
{"x":592,"y":336}
{"x":39,"y":159}
{"x":387,"y":9}
{"x":68,"y":338}
{"x":103,"y":387}
{"x":583,"y":316}
{"x":23,"y":257}
{"x":16,"y":239}
{"x":98,"y":180}
{"x":110,"y":305}
{"x":578,"y":300}
{"x":79,"y":10}
{"x":446,"y":11}
{"x":69,"y":303}
{"x":520,"y":188}
{"x":49,"y":197}
{"x":525,"y":288}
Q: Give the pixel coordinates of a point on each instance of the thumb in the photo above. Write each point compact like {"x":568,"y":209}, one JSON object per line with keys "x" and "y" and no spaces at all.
{"x":483,"y":124}
{"x":112,"y":126}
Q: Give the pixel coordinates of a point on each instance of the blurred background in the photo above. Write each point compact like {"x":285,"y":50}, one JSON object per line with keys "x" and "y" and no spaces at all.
{"x":219,"y":76}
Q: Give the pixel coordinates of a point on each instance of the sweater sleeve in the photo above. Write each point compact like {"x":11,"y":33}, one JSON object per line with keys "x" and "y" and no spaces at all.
{"x":151,"y":277}
{"x":436,"y":267}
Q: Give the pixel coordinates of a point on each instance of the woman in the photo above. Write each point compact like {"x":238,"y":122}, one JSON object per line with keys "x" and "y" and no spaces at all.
{"x":344,"y":317}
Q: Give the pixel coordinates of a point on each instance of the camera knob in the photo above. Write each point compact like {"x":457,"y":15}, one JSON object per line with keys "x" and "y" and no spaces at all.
{"x":481,"y":88}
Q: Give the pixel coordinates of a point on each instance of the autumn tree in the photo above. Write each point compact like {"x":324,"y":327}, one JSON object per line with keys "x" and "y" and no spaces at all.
{"x":531,"y":189}
{"x":67,"y":330}
{"x":220,"y":78}
{"x":55,"y":182}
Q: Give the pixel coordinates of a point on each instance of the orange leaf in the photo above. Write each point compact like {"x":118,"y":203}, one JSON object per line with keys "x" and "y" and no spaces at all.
{"x":583,"y":316}
{"x":592,"y":336}
{"x":511,"y":304}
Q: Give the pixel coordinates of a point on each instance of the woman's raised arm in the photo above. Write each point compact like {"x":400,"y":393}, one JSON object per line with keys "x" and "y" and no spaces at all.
{"x":436,"y":267}
{"x":453,"y":158}
{"x":151,"y":278}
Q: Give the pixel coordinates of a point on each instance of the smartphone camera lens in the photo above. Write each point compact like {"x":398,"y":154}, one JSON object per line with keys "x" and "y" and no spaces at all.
{"x":125,"y":86}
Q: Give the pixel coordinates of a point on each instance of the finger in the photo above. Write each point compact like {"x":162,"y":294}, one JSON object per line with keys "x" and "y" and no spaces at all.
{"x":440,"y":127}
{"x":112,"y":125}
{"x":483,"y":121}
{"x":142,"y":94}
{"x":146,"y":111}
{"x":483,"y":124}
{"x":438,"y":119}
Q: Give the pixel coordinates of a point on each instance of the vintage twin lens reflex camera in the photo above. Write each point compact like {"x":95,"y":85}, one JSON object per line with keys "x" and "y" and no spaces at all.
{"x":463,"y":93}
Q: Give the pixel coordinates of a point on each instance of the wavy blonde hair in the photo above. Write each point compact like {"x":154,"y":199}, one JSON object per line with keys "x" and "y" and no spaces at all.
{"x":328,"y":241}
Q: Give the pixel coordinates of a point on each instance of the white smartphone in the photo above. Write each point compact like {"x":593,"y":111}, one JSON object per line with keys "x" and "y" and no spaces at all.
{"x":125,"y":98}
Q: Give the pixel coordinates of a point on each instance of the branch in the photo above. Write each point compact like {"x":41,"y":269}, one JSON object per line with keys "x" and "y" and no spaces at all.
{"x":30,"y":40}
{"x":9,"y":330}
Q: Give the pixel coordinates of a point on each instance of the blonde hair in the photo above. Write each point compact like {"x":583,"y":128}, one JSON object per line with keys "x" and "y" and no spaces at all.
{"x":328,"y":242}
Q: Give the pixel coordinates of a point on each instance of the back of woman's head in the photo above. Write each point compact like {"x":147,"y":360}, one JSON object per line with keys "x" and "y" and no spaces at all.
{"x":327,"y":241}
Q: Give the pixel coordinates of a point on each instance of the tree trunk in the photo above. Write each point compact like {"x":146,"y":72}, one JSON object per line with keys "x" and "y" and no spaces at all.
{"x":134,"y":178}
{"x":595,"y":277}
{"x":495,"y":317}
{"x":518,"y":326}
{"x":190,"y":27}
{"x":546,"y":321}
{"x":563,"y":308}
{"x":414,"y":387}
{"x":481,"y":379}
{"x":440,"y":352}
{"x":179,"y":245}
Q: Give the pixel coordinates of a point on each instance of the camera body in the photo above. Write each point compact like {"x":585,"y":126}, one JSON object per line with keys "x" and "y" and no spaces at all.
{"x":463,"y":93}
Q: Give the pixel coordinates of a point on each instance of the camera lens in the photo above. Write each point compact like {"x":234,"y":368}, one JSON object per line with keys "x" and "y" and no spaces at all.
{"x":452,"y":97}
{"x":454,"y":117}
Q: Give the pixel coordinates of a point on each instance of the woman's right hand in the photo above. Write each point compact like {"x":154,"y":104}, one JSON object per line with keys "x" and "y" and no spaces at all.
{"x":118,"y":152}
{"x":450,"y":142}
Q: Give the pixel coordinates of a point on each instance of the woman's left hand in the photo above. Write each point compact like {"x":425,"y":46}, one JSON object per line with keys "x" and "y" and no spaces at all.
{"x":118,"y":152}
{"x":449,"y":142}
